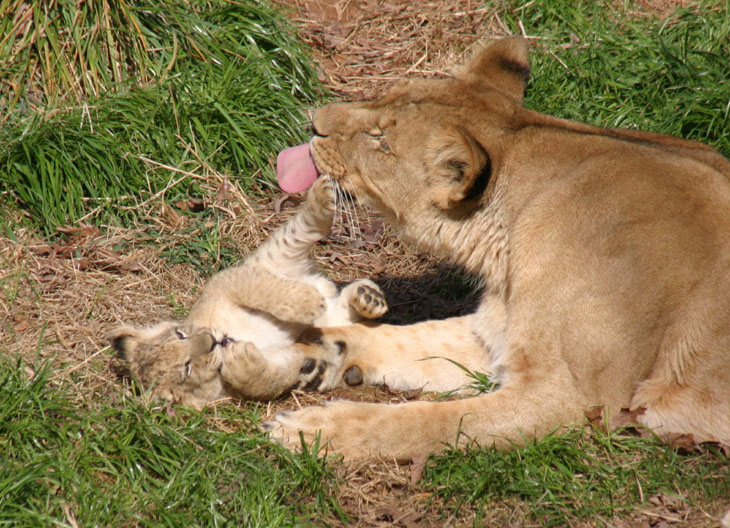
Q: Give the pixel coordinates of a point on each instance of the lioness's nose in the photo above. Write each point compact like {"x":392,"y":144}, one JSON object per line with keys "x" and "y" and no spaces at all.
{"x":339,"y":117}
{"x":315,"y":132}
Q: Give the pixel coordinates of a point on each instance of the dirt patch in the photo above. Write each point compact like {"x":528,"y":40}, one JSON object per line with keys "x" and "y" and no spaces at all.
{"x":362,"y":47}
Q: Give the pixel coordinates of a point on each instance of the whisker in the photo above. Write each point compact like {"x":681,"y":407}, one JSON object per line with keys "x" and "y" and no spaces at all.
{"x":339,"y":206}
{"x":353,"y":213}
{"x":346,"y":211}
{"x":355,"y":204}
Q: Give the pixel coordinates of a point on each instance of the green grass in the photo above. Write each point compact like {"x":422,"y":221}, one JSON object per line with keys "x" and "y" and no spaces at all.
{"x":220,"y":87}
{"x":203,"y":246}
{"x":582,"y":474}
{"x":122,"y":465}
{"x":597,"y":65}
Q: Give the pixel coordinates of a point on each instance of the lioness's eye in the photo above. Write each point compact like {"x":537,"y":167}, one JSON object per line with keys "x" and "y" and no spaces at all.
{"x":375,"y":132}
{"x":180,"y":334}
{"x":188,"y":368}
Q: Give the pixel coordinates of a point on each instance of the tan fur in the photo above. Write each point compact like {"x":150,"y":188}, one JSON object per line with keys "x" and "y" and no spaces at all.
{"x":238,"y":337}
{"x":605,"y":255}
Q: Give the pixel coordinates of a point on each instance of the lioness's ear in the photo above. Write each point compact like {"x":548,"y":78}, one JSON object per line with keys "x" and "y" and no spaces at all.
{"x":125,"y":341}
{"x":503,"y":64}
{"x":462,"y":168}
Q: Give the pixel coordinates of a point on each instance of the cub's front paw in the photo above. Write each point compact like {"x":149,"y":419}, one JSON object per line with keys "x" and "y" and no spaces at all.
{"x":321,"y":199}
{"x":241,"y":365}
{"x":367,"y":299}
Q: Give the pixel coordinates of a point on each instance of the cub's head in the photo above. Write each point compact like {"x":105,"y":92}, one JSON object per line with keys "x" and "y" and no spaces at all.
{"x":173,"y":362}
{"x":430,"y":149}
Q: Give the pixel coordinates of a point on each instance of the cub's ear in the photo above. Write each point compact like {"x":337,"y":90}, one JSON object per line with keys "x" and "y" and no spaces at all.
{"x":462,"y":168}
{"x":125,"y":340}
{"x":503,"y":65}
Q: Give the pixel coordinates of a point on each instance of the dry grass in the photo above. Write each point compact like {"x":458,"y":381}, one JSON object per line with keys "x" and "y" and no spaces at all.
{"x":363,"y":47}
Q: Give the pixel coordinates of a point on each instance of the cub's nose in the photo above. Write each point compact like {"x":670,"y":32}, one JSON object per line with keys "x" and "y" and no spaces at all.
{"x":204,"y":342}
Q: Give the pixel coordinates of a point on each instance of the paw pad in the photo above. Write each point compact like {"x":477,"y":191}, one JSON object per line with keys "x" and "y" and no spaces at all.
{"x":369,"y":301}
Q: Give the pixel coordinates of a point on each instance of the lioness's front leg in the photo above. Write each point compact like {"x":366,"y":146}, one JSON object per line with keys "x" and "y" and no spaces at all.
{"x":425,"y":355}
{"x":525,"y":409}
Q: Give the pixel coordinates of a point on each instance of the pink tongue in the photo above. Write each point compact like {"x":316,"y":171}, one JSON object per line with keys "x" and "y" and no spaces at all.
{"x":295,"y":169}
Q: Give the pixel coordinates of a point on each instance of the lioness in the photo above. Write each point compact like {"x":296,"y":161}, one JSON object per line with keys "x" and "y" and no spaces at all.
{"x":237,"y":339}
{"x":605,"y":256}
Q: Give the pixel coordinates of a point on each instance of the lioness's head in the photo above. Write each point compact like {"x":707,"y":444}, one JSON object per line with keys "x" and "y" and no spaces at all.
{"x":429,"y":150}
{"x":173,"y":362}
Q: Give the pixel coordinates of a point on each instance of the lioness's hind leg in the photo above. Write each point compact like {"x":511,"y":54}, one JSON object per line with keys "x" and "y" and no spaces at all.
{"x":365,"y":298}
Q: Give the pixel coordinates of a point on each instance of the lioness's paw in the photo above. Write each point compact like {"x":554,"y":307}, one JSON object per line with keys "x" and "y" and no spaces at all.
{"x":367,"y":299}
{"x":321,"y":199}
{"x":330,"y":425}
{"x":311,"y":374}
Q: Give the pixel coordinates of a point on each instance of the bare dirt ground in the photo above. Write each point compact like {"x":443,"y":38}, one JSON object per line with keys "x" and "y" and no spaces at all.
{"x":61,"y":298}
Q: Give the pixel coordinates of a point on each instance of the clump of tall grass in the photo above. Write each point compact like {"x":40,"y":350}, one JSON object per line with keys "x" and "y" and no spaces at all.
{"x":580,"y":474}
{"x":117,"y":464}
{"x":600,"y":63}
{"x":102,"y":98}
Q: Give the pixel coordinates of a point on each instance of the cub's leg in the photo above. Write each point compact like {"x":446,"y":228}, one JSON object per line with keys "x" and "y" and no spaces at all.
{"x":264,"y":374}
{"x":360,"y":299}
{"x":288,"y":250}
{"x":433,"y":355}
{"x":259,"y":289}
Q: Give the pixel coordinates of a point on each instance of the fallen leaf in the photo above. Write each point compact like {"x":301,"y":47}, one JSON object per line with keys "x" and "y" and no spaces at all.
{"x":627,"y":418}
{"x":683,"y":443}
{"x":417,"y":466}
{"x":371,"y":231}
{"x":196,"y":205}
{"x":279,"y":202}
{"x":83,"y":231}
{"x":669,"y":502}
{"x":594,"y":415}
{"x":22,"y":322}
{"x":396,"y":517}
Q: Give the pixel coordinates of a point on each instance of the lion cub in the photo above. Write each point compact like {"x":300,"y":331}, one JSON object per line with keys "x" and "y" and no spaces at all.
{"x":238,"y":339}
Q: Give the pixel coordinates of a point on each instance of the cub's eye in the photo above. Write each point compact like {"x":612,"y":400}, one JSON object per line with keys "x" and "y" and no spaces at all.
{"x":188,"y":368}
{"x":375,"y":132}
{"x":180,"y":334}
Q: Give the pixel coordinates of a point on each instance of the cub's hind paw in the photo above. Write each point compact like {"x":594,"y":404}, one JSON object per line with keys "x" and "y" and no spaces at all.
{"x":303,"y":307}
{"x":367,"y":299}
